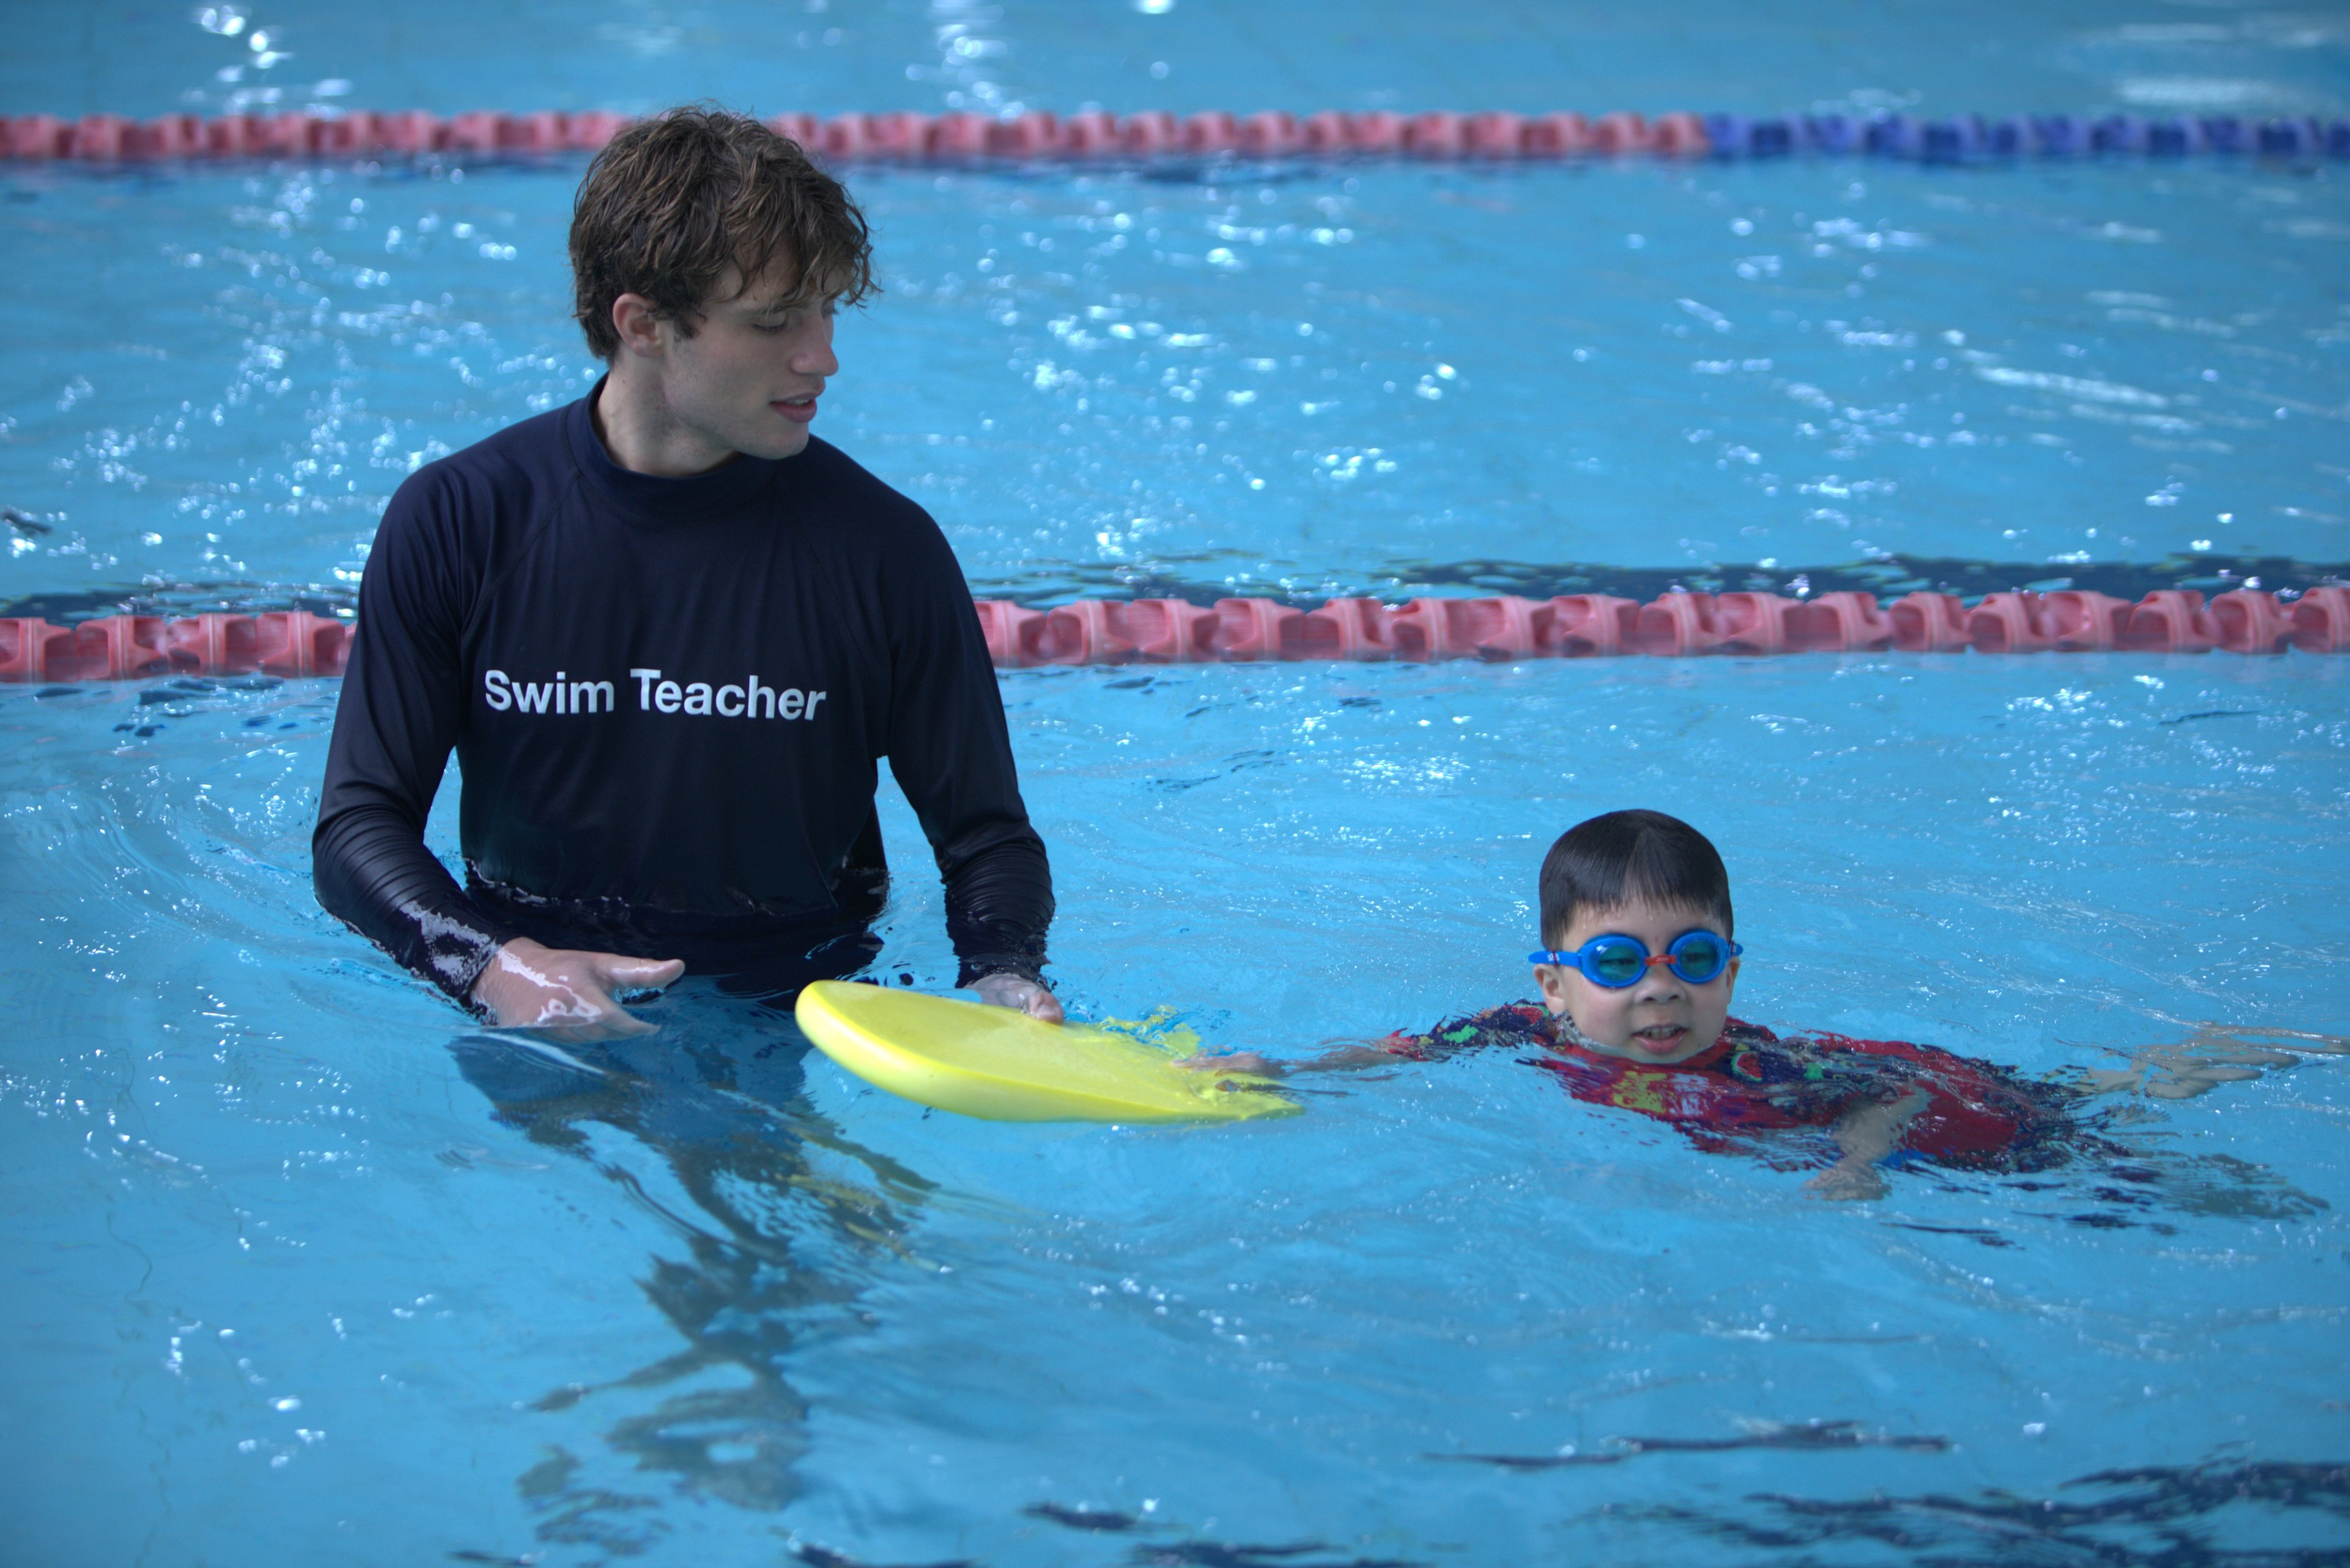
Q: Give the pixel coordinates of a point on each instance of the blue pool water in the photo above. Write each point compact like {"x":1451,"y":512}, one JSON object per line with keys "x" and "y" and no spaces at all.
{"x":1297,"y":381}
{"x":301,"y":1271}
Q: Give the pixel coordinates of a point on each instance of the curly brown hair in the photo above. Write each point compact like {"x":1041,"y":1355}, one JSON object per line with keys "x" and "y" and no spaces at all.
{"x":675,"y":200}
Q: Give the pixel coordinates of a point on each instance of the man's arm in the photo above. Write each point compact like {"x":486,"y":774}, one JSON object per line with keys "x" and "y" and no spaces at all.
{"x":403,"y":703}
{"x":950,"y":752}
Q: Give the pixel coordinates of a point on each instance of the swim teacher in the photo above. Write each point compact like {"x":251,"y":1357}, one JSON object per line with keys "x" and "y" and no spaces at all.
{"x":668,"y":634}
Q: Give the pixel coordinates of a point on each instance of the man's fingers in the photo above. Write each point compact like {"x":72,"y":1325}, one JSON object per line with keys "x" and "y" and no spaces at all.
{"x":1018,"y":991}
{"x":612,"y":1023}
{"x":619,"y":973}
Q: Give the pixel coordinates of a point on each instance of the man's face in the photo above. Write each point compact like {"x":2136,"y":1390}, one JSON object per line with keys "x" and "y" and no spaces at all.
{"x":748,"y":378}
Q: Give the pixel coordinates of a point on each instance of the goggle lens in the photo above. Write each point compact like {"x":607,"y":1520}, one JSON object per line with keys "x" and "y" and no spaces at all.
{"x":1616,"y":962}
{"x":1699,"y":957}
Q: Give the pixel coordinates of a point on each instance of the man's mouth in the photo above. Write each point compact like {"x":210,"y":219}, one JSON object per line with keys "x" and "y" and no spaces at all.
{"x":799,"y":409}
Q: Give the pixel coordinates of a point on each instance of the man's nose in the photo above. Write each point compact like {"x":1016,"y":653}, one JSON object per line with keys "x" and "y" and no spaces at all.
{"x":814,"y":356}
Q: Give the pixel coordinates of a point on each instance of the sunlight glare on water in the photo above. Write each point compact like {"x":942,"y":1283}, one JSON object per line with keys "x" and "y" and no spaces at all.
{"x":1266,"y":385}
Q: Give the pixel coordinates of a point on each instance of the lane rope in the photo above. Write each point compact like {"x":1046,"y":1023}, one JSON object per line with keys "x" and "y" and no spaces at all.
{"x":1096,"y":631}
{"x":1506,"y":629}
{"x":1098,"y":137}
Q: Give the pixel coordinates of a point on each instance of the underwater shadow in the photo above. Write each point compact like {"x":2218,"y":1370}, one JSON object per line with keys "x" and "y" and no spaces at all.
{"x":785,"y":1222}
{"x":2203,"y":1516}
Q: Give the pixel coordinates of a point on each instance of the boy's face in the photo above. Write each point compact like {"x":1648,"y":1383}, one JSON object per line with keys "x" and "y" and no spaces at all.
{"x":1661,"y":1018}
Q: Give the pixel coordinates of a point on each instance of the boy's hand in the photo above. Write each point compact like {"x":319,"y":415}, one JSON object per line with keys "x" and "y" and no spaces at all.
{"x":1020,"y":994}
{"x":2213,"y":1055}
{"x":1849,"y":1182}
{"x":1867,"y":1133}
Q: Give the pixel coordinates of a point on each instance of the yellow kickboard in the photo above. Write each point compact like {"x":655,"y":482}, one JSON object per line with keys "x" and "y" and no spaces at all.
{"x":1005,"y":1066}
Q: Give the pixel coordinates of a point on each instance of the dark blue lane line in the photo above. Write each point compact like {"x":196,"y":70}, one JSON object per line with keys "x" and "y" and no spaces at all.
{"x":1888,"y":577}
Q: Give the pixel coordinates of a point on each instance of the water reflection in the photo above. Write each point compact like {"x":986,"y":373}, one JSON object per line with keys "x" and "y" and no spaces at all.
{"x":781,"y":1220}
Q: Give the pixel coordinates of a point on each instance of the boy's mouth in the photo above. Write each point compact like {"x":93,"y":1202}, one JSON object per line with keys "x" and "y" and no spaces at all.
{"x":1660,"y":1038}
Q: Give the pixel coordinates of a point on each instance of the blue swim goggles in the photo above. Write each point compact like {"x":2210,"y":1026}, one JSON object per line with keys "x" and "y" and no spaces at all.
{"x":1619,"y":961}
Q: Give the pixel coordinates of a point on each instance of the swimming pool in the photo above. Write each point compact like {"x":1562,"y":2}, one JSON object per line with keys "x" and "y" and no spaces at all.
{"x":304,"y":1272}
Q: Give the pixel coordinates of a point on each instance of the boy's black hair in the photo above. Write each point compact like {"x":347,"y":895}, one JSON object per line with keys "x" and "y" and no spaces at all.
{"x":1625,"y":855}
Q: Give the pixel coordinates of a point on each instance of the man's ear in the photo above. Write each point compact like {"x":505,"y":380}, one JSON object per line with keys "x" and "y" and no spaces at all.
{"x":1732,"y":989}
{"x":642,"y":330}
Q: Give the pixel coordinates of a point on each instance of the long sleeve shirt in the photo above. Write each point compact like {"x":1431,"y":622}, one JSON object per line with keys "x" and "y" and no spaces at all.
{"x":668,"y":698}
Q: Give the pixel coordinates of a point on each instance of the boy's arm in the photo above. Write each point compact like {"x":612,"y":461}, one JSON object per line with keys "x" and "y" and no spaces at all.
{"x":1864,"y":1134}
{"x":1513,"y":1025}
{"x":1349,"y":1058}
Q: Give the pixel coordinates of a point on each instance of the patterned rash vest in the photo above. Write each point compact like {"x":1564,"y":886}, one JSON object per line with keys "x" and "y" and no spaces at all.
{"x":1751,"y":1081}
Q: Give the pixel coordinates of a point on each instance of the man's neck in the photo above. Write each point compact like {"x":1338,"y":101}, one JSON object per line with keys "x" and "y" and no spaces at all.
{"x":642,"y":434}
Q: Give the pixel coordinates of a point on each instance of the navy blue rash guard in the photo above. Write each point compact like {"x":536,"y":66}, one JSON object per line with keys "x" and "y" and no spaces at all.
{"x":667,"y":698}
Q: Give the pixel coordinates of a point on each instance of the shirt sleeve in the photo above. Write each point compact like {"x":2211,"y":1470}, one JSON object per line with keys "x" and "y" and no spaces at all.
{"x":402,"y":707}
{"x":950,"y":752}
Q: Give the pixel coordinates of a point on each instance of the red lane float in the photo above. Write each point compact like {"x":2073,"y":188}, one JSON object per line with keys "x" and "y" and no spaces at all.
{"x":1576,"y":626}
{"x":2320,"y":620}
{"x":899,"y":137}
{"x":1845,"y":622}
{"x":2173,"y":621}
{"x":291,"y":643}
{"x":1500,"y":629}
{"x":1929,"y":623}
{"x":2248,"y":622}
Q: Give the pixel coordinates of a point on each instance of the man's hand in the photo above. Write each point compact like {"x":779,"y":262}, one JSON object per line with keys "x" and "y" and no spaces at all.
{"x":1027,"y":995}
{"x":543,"y":987}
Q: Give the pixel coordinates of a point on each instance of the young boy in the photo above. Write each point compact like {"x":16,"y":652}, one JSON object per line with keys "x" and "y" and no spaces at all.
{"x":1636,"y":990}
